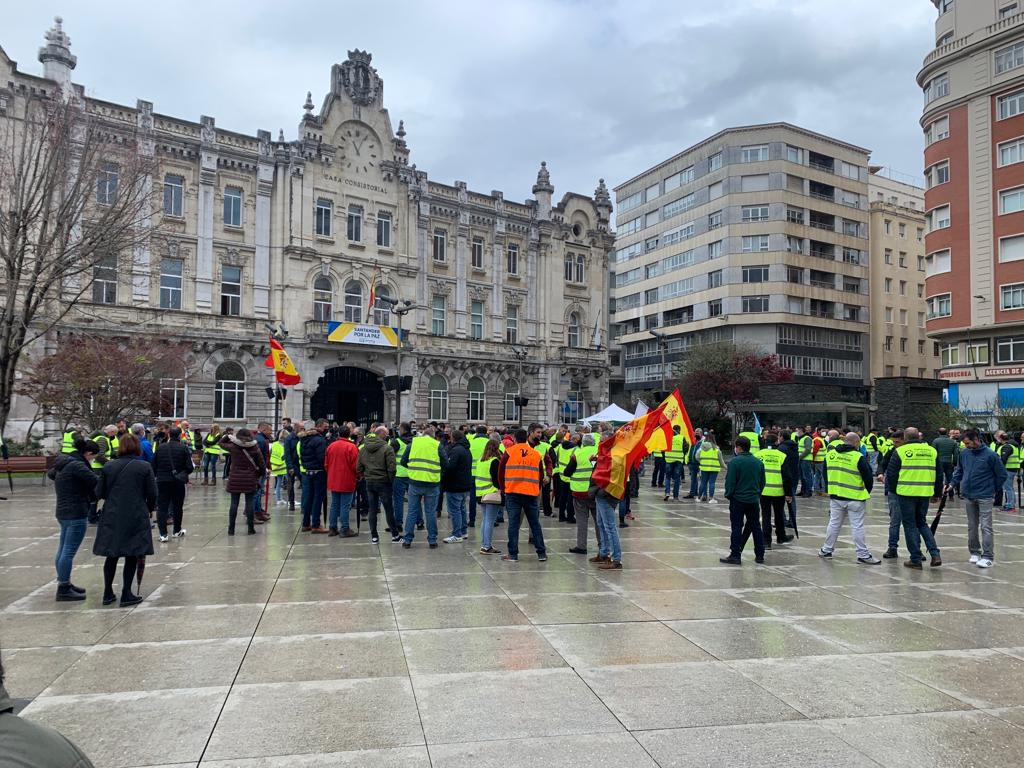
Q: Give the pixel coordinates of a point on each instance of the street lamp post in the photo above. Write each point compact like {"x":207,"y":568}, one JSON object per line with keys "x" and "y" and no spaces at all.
{"x":663,"y":343}
{"x":520,"y":356}
{"x":400,"y":308}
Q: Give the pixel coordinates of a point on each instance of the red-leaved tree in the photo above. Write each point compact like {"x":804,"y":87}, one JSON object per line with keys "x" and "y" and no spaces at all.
{"x":723,"y":374}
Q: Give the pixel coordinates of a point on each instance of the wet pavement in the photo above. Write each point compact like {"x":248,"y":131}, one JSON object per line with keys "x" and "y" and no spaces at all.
{"x":287,"y":649}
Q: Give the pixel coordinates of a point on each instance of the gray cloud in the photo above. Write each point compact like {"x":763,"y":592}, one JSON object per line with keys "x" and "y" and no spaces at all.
{"x":598,"y":89}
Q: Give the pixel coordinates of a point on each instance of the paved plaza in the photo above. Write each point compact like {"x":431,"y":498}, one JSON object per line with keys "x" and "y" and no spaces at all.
{"x":286,"y":649}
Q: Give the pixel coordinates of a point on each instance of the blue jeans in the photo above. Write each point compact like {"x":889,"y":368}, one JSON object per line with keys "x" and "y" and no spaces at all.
{"x":314,"y":491}
{"x":341,"y":503}
{"x":490,"y":514}
{"x":914,"y":511}
{"x":518,"y":505}
{"x":895,"y":520}
{"x":806,"y":477}
{"x":673,"y":476}
{"x":457,"y":510}
{"x":1009,"y":495}
{"x":819,"y":476}
{"x":694,"y":477}
{"x":210,"y":465}
{"x":422,"y":505}
{"x":608,"y":527}
{"x":707,"y":484}
{"x":279,"y":481}
{"x":71,"y":534}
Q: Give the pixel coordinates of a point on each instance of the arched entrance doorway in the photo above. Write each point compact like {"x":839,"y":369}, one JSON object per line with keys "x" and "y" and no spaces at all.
{"x":347,"y":393}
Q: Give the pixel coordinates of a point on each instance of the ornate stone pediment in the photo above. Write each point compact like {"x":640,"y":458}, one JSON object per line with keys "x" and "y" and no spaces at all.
{"x":358,"y":80}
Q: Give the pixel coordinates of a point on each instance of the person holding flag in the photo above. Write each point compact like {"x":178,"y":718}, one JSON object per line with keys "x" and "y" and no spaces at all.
{"x":617,"y":456}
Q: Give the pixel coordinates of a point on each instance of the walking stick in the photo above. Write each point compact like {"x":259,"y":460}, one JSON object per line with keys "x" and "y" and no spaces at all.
{"x":938,"y":514}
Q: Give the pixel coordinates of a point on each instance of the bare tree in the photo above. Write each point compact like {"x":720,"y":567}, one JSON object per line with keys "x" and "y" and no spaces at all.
{"x":75,"y":193}
{"x":90,"y":382}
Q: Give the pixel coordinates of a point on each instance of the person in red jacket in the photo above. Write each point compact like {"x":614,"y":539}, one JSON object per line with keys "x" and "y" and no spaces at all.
{"x":340,"y":464}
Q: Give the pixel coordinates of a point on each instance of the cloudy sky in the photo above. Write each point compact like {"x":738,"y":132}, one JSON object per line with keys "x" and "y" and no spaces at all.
{"x":598,"y":88}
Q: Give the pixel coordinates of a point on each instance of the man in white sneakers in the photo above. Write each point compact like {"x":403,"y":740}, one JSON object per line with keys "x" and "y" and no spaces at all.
{"x":978,"y":474}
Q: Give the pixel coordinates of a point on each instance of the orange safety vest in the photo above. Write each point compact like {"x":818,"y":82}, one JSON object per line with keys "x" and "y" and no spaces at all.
{"x":524,"y":470}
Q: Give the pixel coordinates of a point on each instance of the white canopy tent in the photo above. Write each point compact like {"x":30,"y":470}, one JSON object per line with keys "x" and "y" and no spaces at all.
{"x":611,"y":413}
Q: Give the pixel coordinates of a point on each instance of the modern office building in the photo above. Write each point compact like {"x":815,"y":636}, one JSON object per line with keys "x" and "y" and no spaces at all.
{"x":509,"y":297}
{"x":973,"y":122}
{"x":756,"y":234}
{"x":899,"y":343}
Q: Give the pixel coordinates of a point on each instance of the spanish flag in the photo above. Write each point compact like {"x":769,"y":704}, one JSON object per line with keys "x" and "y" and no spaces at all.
{"x":677,"y":416}
{"x":284,"y":369}
{"x":617,"y":456}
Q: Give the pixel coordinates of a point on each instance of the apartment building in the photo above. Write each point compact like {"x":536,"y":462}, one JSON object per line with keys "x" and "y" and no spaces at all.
{"x":973,"y":123}
{"x":756,"y":234}
{"x":899,"y":343}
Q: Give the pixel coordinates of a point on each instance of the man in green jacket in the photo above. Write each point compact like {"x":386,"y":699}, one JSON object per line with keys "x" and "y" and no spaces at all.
{"x":744,"y":483}
{"x":28,"y":745}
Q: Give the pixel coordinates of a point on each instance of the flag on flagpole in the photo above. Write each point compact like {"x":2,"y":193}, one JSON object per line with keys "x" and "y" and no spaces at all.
{"x":373,"y":293}
{"x":617,"y":456}
{"x":757,"y":425}
{"x":676,"y":415}
{"x":284,"y":370}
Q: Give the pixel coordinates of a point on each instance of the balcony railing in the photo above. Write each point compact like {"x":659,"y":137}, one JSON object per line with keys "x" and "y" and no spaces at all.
{"x":827,"y":167}
{"x":316,"y":329}
{"x":823,"y":283}
{"x":824,"y":196}
{"x":823,"y":254}
{"x":823,"y":225}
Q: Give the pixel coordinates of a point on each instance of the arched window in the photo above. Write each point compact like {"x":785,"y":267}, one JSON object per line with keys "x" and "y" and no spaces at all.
{"x":511,"y":391}
{"x":353,"y":302}
{"x":477,"y":400}
{"x":381,"y":310}
{"x":581,"y":268}
{"x":438,"y":398}
{"x":574,"y":329}
{"x":229,"y":391}
{"x":323,"y":299}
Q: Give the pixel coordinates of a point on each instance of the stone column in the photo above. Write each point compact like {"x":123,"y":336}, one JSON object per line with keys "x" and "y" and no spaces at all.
{"x":261,"y":265}
{"x":207,"y":203}
{"x":142,"y":257}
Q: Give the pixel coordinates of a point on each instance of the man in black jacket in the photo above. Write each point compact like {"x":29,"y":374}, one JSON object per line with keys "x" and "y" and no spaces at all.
{"x":458,"y":483}
{"x":312,"y":449}
{"x":172,"y":464}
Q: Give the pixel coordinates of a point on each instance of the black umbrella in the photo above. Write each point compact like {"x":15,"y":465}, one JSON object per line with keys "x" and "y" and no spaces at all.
{"x":792,"y":516}
{"x":938,"y":514}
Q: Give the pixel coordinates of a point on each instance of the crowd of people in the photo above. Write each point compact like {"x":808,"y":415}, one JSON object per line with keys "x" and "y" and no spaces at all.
{"x":771,"y":470}
{"x":487,"y":477}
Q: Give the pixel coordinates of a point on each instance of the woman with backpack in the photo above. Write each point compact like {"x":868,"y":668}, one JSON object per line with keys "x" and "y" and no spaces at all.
{"x":247,"y":471}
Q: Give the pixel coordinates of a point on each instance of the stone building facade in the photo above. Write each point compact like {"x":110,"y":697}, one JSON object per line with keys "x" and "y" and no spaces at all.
{"x":509,"y":297}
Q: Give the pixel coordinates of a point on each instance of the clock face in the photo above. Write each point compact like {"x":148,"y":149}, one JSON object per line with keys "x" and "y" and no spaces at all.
{"x":360,"y":150}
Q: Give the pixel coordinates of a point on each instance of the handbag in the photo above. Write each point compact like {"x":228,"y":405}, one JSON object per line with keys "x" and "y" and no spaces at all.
{"x":494,"y":497}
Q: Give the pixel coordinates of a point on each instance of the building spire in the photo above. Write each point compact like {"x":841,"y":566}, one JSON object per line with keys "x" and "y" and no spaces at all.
{"x":543,"y":180}
{"x":56,"y":56}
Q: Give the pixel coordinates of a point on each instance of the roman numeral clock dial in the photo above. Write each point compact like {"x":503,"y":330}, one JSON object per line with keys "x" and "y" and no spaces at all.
{"x":359,"y":151}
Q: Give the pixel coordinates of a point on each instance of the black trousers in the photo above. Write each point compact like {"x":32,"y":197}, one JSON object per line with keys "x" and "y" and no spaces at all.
{"x":170,"y":503}
{"x":773,"y":506}
{"x":376,"y":495}
{"x":745,"y":519}
{"x":250,"y":499}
